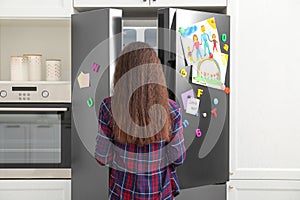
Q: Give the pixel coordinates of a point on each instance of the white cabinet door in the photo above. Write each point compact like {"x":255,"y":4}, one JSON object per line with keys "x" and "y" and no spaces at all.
{"x":110,"y":3}
{"x":35,"y":8}
{"x":263,"y":190}
{"x":188,"y":3}
{"x":265,"y":98}
{"x":35,"y":189}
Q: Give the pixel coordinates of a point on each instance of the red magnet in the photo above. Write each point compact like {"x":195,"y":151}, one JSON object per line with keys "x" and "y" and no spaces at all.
{"x":214,"y":112}
{"x":211,"y":55}
{"x":198,"y":132}
{"x":227,"y":90}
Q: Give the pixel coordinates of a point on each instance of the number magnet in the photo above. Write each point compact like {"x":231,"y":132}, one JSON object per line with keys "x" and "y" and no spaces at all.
{"x":224,"y":37}
{"x":198,"y":132}
{"x":183,"y":72}
{"x":226,"y":47}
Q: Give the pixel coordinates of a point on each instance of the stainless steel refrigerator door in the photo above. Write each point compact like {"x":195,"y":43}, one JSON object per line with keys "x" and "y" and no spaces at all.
{"x":207,"y":159}
{"x":94,"y":40}
{"x":208,"y":192}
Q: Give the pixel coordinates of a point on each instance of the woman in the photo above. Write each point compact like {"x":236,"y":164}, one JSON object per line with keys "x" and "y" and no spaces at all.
{"x":140,"y":130}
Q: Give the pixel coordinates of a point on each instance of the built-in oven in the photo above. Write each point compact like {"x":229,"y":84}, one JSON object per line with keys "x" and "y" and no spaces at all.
{"x":35,"y":132}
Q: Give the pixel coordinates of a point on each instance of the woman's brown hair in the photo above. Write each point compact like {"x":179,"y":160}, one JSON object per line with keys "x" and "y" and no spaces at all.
{"x":140,"y":55}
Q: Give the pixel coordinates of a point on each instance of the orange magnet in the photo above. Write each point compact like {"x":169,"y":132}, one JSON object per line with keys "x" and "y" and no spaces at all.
{"x":227,"y":90}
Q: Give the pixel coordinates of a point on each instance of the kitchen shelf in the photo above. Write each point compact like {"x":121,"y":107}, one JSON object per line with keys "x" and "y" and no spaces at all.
{"x":49,"y":37}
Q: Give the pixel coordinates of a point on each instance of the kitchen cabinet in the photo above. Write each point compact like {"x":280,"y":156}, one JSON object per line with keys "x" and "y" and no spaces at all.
{"x":110,"y":3}
{"x":263,"y":190}
{"x":35,"y":189}
{"x":35,"y":8}
{"x":49,"y":37}
{"x":265,"y":109}
{"x":188,"y":3}
{"x":147,"y":3}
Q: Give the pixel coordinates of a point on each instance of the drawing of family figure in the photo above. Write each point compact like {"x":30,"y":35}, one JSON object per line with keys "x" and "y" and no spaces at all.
{"x":204,"y":40}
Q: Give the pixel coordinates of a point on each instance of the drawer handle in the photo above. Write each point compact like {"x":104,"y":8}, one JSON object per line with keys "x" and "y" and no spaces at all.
{"x":43,"y":126}
{"x":12,"y":126}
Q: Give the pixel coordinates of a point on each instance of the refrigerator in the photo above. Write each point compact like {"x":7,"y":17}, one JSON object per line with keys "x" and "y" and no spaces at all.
{"x":96,"y":43}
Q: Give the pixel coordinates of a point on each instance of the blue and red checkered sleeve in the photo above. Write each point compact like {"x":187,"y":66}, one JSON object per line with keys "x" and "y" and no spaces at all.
{"x":104,"y":141}
{"x":176,"y":148}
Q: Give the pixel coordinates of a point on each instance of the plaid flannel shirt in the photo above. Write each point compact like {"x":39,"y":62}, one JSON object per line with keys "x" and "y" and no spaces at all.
{"x":140,"y":172}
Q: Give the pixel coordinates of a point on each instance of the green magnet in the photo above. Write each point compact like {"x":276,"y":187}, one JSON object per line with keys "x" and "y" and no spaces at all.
{"x":181,"y":30}
{"x":224,"y":37}
{"x":90,"y":102}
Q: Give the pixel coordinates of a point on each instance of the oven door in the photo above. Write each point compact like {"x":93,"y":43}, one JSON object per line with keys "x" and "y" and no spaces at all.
{"x":35,"y":136}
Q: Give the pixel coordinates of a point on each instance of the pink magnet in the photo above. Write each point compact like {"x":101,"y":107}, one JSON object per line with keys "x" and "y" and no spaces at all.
{"x":198,"y":132}
{"x":95,"y":67}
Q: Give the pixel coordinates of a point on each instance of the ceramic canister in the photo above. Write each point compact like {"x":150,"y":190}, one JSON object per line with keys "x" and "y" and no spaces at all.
{"x":53,"y":69}
{"x":18,"y":68}
{"x":34,"y":66}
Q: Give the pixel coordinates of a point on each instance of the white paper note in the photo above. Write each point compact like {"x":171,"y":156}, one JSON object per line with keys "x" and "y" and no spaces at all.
{"x":192,"y":106}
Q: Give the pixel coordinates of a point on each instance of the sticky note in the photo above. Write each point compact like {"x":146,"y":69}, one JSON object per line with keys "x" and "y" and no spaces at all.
{"x":83,"y":80}
{"x":224,"y":59}
{"x":192,"y":106}
{"x":185,"y":96}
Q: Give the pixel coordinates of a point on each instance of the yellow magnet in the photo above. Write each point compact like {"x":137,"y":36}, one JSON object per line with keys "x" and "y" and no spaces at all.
{"x":183,"y":72}
{"x":200,"y":92}
{"x":226,"y":47}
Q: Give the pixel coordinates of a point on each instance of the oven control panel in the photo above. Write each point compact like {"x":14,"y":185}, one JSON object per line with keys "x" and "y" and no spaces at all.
{"x":43,"y":91}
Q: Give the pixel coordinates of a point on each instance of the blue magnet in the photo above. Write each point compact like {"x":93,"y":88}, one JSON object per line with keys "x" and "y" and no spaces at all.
{"x":216,"y":101}
{"x":185,"y":123}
